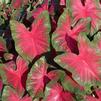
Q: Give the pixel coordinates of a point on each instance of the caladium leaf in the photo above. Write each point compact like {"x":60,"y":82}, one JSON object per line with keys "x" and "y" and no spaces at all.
{"x":10,"y":94}
{"x":39,"y":77}
{"x":30,"y":44}
{"x":86,"y":63}
{"x":65,"y":37}
{"x":57,"y":93}
{"x":15,"y":76}
{"x":89,"y":9}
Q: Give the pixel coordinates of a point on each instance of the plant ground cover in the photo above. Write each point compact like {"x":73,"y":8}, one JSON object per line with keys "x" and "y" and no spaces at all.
{"x":50,"y":50}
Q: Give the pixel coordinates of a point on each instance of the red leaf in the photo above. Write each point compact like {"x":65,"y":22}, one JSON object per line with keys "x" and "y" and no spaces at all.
{"x":86,"y":63}
{"x":58,"y":94}
{"x":40,"y":38}
{"x":40,"y":78}
{"x":14,"y":77}
{"x":14,"y":97}
{"x":35,"y":42}
{"x":65,"y":35}
{"x":85,"y":11}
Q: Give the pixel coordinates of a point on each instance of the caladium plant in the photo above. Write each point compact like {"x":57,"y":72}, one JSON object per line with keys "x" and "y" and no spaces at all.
{"x":50,"y":50}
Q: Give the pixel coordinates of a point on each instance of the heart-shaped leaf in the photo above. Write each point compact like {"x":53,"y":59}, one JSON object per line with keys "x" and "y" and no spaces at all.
{"x":30,"y":44}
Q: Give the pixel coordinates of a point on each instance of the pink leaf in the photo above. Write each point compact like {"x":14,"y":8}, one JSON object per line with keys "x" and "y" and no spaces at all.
{"x":35,"y":42}
{"x":58,"y":94}
{"x":14,"y":77}
{"x":86,"y":63}
{"x":40,"y":78}
{"x":66,"y":36}
{"x":84,"y":11}
{"x":14,"y":97}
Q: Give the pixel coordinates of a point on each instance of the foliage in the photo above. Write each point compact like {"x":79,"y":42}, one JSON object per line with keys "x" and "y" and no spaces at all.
{"x":50,"y":50}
